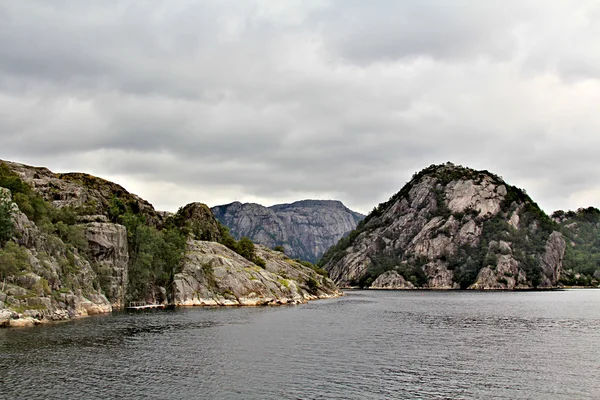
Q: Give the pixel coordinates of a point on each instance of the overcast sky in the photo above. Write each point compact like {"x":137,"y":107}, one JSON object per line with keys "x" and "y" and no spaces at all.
{"x":275,"y":101}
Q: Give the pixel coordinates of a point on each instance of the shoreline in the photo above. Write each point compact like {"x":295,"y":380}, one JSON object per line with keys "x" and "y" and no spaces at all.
{"x":26,"y":321}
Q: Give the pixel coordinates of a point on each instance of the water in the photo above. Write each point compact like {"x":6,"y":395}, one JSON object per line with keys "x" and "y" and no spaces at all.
{"x":366,"y":345}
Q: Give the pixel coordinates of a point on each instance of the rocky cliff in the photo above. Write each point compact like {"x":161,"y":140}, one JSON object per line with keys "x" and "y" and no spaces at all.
{"x":42,"y":277}
{"x":305,"y":229}
{"x":451,"y":227}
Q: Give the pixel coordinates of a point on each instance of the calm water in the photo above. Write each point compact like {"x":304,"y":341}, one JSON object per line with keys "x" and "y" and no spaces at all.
{"x":367,"y":345}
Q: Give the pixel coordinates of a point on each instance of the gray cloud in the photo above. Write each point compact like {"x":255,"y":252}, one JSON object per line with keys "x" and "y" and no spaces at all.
{"x":260,"y":101}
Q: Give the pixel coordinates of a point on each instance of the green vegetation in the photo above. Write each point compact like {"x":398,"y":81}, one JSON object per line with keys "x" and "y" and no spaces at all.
{"x":154,"y":256}
{"x":582,"y":256}
{"x":6,"y":224}
{"x":527,"y":245}
{"x":280,"y":249}
{"x":312,"y":266}
{"x":411,"y":271}
{"x":13,"y":260}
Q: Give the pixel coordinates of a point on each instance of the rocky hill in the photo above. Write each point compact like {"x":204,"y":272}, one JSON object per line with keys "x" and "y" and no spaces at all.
{"x":73,"y":245}
{"x":451,"y":227}
{"x":305,"y":229}
{"x":582,"y":257}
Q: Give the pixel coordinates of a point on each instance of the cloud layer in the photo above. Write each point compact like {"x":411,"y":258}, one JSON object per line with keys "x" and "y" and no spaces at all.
{"x":270,"y":102}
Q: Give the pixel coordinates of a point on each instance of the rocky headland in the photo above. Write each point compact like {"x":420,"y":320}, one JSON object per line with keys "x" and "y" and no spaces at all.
{"x":73,"y":245}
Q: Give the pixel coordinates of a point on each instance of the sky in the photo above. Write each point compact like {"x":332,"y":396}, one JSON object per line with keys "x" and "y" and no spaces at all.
{"x":275,"y":101}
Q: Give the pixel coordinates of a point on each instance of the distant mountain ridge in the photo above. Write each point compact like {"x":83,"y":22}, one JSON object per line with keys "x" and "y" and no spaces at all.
{"x":305,"y":228}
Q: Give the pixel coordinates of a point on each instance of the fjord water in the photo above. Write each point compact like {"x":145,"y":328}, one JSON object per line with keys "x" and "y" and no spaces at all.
{"x":366,"y":345}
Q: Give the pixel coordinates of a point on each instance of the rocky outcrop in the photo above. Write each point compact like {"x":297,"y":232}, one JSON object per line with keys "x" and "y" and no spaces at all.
{"x":305,"y":229}
{"x":391,"y":280}
{"x":53,"y":281}
{"x":108,"y":248}
{"x":214,"y":275}
{"x":452,"y":227}
{"x":199,"y":220}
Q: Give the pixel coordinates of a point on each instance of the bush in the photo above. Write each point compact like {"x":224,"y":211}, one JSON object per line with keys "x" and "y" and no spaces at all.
{"x":260,"y":262}
{"x":13,"y":260}
{"x":246,"y":249}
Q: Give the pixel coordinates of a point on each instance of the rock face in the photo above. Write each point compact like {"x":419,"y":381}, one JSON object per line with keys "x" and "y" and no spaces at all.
{"x":108,"y":248}
{"x":391,"y":280}
{"x":306,"y":229}
{"x":214,"y":275}
{"x":451,"y":227}
{"x":53,"y":282}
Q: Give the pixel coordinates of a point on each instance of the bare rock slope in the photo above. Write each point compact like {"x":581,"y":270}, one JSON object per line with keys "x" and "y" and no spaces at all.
{"x":306,"y":229}
{"x":214,"y":275}
{"x":451,"y":227}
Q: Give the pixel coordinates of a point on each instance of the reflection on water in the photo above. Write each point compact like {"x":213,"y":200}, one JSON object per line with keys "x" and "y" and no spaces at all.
{"x":367,"y":345}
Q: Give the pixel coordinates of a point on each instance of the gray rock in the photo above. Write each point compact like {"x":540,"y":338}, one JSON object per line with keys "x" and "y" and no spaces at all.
{"x":306,"y":229}
{"x":391,"y":280}
{"x":214,"y":275}
{"x":108,"y":248}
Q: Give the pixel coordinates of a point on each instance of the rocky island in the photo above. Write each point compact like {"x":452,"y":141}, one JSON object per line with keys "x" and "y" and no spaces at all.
{"x":73,"y":245}
{"x":451,"y":227}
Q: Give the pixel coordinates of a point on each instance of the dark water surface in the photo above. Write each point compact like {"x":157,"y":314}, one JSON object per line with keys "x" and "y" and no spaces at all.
{"x":366,"y":345}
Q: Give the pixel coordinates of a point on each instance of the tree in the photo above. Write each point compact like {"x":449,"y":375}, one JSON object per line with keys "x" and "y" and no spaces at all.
{"x":6,"y":224}
{"x":246,"y":249}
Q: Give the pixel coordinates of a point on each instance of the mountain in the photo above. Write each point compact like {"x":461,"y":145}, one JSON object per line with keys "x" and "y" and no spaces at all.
{"x":305,"y":229}
{"x":582,"y":257}
{"x":451,"y":227}
{"x":73,"y":245}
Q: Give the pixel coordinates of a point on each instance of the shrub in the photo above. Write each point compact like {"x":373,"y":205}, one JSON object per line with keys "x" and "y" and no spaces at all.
{"x":260,"y":262}
{"x":246,"y":249}
{"x":14,"y":259}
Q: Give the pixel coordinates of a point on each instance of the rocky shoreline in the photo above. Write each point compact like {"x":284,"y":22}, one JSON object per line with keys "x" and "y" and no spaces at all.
{"x":30,"y":318}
